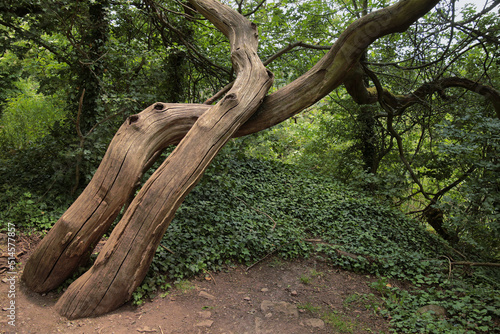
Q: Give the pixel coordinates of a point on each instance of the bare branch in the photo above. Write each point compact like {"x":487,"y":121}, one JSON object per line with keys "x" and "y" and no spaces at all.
{"x":484,"y":264}
{"x":179,"y":34}
{"x":269,"y":60}
{"x":367,"y":95}
{"x":256,"y":8}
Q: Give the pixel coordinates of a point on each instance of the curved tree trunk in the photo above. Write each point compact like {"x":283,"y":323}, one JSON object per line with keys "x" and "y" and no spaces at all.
{"x":70,"y":242}
{"x":124,"y":261}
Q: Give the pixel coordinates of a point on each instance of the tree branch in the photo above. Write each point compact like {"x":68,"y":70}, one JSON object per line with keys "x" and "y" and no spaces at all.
{"x":180,"y":35}
{"x":256,"y":8}
{"x":269,"y":60}
{"x":124,"y":261}
{"x":361,"y":94}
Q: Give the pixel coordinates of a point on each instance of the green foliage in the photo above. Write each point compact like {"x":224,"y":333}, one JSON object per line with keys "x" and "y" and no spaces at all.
{"x":245,"y":209}
{"x":464,"y":144}
{"x":316,"y":139}
{"x":304,"y":279}
{"x":369,"y":301}
{"x":469,"y":308}
{"x":473,"y":211}
{"x":149,"y":287}
{"x":226,"y":219}
{"x":307,"y":278}
{"x":25,"y":211}
{"x":184,"y":286}
{"x":28,"y":116}
{"x":309,"y":307}
{"x":10,"y":68}
{"x":338,"y":322}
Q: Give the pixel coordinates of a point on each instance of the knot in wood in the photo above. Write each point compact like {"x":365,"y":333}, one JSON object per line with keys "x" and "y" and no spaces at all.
{"x":230,"y":98}
{"x":66,"y":238}
{"x":133,"y":119}
{"x":158,"y":106}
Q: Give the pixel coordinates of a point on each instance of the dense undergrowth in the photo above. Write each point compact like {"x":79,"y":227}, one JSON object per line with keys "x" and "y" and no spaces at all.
{"x":245,"y":209}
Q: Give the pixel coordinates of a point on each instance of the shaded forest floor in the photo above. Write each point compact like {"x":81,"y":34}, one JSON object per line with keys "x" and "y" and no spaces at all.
{"x":274,"y":296}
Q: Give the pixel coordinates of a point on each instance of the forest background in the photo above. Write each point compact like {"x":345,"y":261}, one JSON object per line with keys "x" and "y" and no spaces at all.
{"x":415,"y":196}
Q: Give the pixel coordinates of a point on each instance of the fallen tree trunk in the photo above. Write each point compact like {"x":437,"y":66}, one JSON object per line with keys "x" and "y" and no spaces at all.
{"x":137,"y":144}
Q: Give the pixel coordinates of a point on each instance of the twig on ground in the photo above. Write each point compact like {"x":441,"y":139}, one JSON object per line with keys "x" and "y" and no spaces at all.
{"x":208,"y":272}
{"x":165,"y":248}
{"x":261,"y":259}
{"x":267,"y":255}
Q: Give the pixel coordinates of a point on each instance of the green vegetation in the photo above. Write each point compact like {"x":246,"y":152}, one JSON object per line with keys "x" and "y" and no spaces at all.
{"x":401,"y":197}
{"x":214,"y":228}
{"x":338,"y":323}
{"x":309,"y":307}
{"x":306,"y":279}
{"x":20,"y":128}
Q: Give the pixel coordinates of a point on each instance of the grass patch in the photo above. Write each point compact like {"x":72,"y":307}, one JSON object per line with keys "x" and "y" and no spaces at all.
{"x":309,"y":307}
{"x":338,"y":322}
{"x":304,"y":279}
{"x":184,"y":286}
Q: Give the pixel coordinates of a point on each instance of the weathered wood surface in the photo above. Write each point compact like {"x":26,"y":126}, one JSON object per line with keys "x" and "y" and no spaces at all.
{"x":125,"y":259}
{"x":69,"y":243}
{"x":143,"y":135}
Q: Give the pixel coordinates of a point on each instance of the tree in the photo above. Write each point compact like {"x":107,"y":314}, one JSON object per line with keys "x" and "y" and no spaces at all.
{"x":200,"y":130}
{"x":400,"y":120}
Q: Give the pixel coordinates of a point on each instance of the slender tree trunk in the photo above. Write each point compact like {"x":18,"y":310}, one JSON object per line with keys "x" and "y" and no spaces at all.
{"x":89,"y":72}
{"x":367,"y":137}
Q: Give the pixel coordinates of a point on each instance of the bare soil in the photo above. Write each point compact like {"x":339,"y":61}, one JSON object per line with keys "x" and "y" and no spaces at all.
{"x":273,"y":296}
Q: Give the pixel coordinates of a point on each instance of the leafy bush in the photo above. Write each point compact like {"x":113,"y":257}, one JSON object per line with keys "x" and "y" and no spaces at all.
{"x":28,"y":116}
{"x":469,"y":308}
{"x":25,"y":211}
{"x":472,"y":211}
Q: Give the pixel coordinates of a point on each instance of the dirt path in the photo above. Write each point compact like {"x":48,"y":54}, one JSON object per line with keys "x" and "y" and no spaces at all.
{"x":274,"y":296}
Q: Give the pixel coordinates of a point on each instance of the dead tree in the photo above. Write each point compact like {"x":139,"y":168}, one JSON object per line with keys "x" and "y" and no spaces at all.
{"x":200,"y":132}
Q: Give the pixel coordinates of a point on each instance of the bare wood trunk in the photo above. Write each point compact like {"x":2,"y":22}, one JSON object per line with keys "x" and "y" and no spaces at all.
{"x":69,"y":243}
{"x":72,"y":238}
{"x":125,"y":259}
